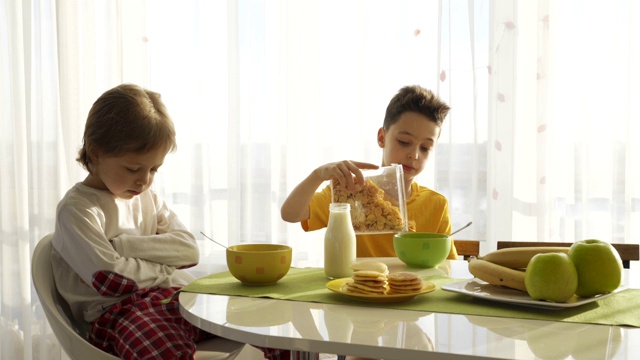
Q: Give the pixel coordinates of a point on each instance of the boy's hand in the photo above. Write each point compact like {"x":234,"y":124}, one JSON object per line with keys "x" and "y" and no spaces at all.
{"x":296,"y":206}
{"x":344,"y":171}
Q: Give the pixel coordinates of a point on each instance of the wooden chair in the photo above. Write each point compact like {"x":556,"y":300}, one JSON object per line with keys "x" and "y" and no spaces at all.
{"x":467,"y":248}
{"x":628,"y":252}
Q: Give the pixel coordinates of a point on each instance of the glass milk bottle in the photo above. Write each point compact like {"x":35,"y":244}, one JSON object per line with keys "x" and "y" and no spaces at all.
{"x":339,"y":242}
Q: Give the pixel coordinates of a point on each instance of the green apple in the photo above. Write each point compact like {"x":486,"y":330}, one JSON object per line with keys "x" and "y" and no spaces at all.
{"x":551,"y":277}
{"x":599,"y":267}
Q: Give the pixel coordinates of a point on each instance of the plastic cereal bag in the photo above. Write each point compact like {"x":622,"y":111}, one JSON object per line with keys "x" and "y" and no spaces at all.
{"x":378,"y":206}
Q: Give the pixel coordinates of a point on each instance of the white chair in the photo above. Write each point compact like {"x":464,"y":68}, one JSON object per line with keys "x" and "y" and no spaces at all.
{"x":66,"y":330}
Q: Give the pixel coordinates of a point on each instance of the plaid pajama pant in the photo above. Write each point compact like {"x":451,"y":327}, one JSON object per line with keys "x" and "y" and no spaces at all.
{"x":144,"y":327}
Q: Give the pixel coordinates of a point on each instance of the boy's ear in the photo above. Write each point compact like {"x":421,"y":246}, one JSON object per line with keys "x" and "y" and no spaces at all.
{"x":381,"y":136}
{"x":93,"y":153}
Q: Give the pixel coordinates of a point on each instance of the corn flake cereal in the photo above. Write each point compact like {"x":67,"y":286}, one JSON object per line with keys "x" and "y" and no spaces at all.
{"x":372,"y":210}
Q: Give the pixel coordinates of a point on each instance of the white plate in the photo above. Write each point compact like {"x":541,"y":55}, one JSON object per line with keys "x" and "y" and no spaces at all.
{"x":480,"y":289}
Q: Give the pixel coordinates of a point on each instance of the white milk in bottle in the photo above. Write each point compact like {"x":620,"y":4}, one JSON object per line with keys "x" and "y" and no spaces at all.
{"x":339,"y":242}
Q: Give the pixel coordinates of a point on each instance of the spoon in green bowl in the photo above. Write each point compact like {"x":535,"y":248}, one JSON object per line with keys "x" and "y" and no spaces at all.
{"x":462,"y":228}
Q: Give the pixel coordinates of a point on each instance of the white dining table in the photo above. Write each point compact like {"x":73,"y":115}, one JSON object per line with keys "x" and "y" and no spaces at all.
{"x":312,"y":328}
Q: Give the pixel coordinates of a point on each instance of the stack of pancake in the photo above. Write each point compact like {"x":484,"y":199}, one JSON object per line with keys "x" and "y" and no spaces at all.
{"x":369,"y":278}
{"x":404,"y":283}
{"x":372,"y":278}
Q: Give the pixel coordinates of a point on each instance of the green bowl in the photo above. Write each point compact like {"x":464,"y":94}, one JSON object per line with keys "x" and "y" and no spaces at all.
{"x":421,"y":249}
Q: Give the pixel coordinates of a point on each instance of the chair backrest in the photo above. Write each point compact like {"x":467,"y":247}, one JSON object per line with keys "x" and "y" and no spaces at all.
{"x":56,"y":308}
{"x":628,"y":252}
{"x":467,"y":248}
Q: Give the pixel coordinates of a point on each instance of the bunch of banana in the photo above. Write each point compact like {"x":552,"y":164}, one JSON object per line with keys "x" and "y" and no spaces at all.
{"x":506,"y":267}
{"x":518,"y":257}
{"x":496,"y":274}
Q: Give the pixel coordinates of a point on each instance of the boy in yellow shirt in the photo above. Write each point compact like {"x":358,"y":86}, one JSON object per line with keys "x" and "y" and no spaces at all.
{"x":409,"y":134}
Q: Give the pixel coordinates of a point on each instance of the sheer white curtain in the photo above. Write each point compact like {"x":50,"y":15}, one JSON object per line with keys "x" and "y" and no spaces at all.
{"x":561,"y":154}
{"x":539,"y":144}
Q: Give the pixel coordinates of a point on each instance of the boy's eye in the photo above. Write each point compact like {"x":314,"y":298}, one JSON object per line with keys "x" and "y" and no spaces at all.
{"x":131,"y":170}
{"x":425,"y":149}
{"x":402,"y":142}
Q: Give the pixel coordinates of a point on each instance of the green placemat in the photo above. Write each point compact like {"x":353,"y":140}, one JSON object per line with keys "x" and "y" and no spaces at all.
{"x":309,"y":284}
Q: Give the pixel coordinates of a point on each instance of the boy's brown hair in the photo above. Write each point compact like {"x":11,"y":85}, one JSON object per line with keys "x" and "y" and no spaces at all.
{"x":127,"y":118}
{"x":417,"y":99}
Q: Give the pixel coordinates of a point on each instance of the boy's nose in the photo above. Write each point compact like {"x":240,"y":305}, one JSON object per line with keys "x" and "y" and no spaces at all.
{"x":144,"y":179}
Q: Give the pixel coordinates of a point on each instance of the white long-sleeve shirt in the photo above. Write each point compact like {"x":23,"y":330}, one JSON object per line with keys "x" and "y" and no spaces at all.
{"x":107,"y":248}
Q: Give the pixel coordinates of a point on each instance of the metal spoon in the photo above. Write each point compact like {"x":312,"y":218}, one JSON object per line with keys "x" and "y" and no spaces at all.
{"x":226,"y":247}
{"x":462,"y":228}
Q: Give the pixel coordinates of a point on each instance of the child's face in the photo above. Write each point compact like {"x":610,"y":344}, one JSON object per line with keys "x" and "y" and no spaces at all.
{"x":409,"y":142}
{"x":128,"y":175}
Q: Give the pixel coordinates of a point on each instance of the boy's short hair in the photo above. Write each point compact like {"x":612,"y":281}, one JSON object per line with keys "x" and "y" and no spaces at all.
{"x":127,"y":118}
{"x":417,"y":99}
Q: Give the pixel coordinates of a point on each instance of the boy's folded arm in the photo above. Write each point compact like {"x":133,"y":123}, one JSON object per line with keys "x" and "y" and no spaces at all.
{"x":111,"y":274}
{"x":84,"y":246}
{"x":169,"y":244}
{"x":177,"y":249}
{"x":131,"y":275}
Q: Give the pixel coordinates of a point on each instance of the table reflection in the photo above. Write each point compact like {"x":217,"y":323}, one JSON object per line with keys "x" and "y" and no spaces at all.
{"x":252,"y":312}
{"x":341,"y":323}
{"x":557,"y":340}
{"x":368,"y":326}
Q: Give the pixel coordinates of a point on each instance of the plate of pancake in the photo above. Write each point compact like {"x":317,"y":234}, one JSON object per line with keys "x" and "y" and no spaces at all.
{"x":372,"y":282}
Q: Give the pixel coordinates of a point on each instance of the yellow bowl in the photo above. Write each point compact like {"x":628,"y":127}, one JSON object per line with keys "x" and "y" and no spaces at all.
{"x":420,"y":249}
{"x":259,"y":264}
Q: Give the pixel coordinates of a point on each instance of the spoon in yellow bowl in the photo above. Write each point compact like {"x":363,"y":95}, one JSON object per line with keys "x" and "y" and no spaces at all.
{"x":212,"y":239}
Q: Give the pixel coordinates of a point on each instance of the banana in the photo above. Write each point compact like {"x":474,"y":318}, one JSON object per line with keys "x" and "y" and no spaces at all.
{"x":496,"y":274}
{"x":518,"y":257}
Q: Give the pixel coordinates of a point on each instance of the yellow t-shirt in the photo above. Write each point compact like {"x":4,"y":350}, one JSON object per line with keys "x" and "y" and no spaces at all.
{"x":426,"y":208}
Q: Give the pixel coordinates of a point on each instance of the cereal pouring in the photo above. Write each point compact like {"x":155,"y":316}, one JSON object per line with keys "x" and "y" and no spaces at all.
{"x":379,"y":205}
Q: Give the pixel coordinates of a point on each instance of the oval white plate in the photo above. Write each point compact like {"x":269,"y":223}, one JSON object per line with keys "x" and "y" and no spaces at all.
{"x":481,"y":289}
